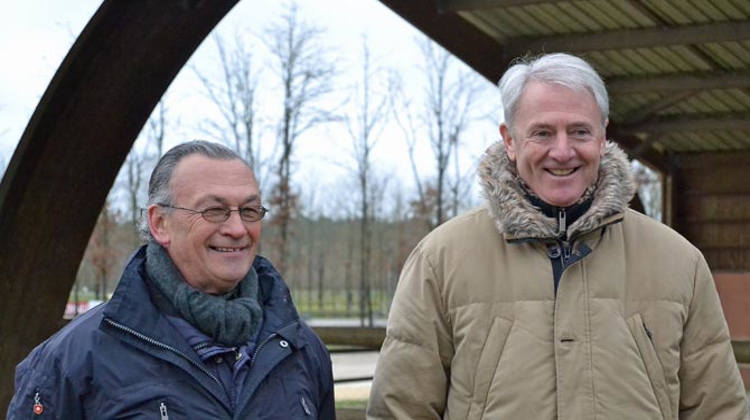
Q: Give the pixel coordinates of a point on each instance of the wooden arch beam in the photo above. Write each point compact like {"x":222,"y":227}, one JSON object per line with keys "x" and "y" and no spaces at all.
{"x":72,"y":149}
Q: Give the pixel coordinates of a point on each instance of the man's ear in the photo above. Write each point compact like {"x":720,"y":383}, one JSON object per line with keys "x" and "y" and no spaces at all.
{"x":603,"y":148}
{"x":158,"y":224}
{"x":508,"y":140}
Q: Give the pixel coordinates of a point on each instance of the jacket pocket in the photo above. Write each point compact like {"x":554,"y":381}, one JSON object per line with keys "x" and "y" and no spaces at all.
{"x":644,"y":341}
{"x":489,"y":360}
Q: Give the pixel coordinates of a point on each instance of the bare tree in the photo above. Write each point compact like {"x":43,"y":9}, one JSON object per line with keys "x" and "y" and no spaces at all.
{"x":134,"y":183}
{"x":134,"y":173}
{"x":157,"y":127}
{"x":306,"y":79}
{"x":101,"y":253}
{"x":451,"y":93}
{"x":367,"y":119}
{"x":235,"y":94}
{"x":402,"y":107}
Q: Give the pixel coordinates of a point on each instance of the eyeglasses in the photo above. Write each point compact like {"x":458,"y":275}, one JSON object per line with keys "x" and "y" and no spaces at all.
{"x":221,"y":214}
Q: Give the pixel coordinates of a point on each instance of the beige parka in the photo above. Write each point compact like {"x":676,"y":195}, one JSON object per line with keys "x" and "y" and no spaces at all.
{"x":634,"y":331}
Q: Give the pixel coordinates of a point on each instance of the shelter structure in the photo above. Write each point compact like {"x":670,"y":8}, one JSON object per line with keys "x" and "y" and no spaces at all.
{"x":677,"y":71}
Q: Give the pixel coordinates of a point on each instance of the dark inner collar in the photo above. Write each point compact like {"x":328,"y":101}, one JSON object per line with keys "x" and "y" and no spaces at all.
{"x":572,"y":213}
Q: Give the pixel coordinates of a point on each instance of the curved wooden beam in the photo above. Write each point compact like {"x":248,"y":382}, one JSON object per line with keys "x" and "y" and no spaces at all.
{"x":72,"y":150}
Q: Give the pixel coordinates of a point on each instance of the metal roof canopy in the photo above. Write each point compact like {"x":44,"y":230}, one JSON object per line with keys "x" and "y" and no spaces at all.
{"x":677,"y":72}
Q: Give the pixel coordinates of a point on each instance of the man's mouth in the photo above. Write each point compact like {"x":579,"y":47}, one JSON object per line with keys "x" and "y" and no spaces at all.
{"x":222,"y":249}
{"x":561,"y":172}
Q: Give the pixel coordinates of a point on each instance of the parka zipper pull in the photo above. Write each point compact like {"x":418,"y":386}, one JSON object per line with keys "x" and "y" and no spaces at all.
{"x":562,"y":224}
{"x":163,"y":411}
{"x":566,"y":248}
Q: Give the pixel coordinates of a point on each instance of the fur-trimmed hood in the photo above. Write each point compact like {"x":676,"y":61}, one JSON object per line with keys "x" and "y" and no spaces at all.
{"x":516,"y":217}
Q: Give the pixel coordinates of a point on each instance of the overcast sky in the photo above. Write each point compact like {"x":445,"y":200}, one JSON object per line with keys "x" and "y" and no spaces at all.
{"x":35,"y":35}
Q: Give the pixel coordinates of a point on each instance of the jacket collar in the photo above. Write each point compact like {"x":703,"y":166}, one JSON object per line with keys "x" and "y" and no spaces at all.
{"x":517,"y":218}
{"x":132,"y":302}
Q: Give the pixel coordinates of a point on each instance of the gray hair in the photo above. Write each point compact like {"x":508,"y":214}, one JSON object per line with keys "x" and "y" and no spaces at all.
{"x":159,"y":190}
{"x":560,"y":68}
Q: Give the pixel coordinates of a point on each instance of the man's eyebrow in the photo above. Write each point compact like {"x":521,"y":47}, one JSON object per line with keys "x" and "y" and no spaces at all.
{"x":253,"y":198}
{"x":538,"y":125}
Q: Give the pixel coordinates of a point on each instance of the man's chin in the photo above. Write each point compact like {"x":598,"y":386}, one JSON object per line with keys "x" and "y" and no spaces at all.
{"x":565,"y":200}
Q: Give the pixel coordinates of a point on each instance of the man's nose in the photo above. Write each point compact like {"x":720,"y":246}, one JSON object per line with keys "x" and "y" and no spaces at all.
{"x":234,"y":226}
{"x":562,"y":148}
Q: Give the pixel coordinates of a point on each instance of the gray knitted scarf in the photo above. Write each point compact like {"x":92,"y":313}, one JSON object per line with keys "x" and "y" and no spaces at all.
{"x":230,"y":319}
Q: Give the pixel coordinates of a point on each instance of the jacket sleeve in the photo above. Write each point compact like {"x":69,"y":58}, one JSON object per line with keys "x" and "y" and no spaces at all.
{"x":711,"y":386}
{"x":327,"y":403}
{"x":39,"y":379}
{"x":412,"y":374}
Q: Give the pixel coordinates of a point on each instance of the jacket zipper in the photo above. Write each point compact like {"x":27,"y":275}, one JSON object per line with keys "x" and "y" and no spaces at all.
{"x":163,"y":411}
{"x":562,"y":225}
{"x":165,"y":347}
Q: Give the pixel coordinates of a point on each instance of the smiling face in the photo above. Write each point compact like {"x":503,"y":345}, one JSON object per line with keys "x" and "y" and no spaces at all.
{"x":212,"y":257}
{"x":556,"y":141}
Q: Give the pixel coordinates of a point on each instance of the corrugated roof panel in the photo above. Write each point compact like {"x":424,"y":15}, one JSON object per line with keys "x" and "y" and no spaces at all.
{"x":582,"y":18}
{"x":603,"y":64}
{"x":689,"y":59}
{"x":666,"y":59}
{"x":722,"y":141}
{"x":525,"y":23}
{"x":555,"y":18}
{"x":711,"y":102}
{"x":732,"y":99}
{"x":732,"y":139}
{"x":731,"y":10}
{"x":594,"y":18}
{"x":668,"y":13}
{"x":485,"y":23}
{"x":704,"y":141}
{"x":628,"y":9}
{"x":614,"y":63}
{"x":629,"y":62}
{"x":742,"y":98}
{"x":729,"y":55}
{"x":743,"y":5}
{"x":695,"y":12}
{"x":710,"y":11}
{"x":653,"y":62}
{"x":684,"y":107}
{"x":679,"y":144}
{"x":623,"y":106}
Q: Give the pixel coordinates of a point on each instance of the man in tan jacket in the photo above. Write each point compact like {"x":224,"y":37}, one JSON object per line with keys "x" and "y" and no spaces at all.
{"x":555,"y":301}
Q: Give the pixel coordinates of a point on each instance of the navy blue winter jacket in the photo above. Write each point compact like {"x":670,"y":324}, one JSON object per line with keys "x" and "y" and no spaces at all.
{"x":124,"y":359}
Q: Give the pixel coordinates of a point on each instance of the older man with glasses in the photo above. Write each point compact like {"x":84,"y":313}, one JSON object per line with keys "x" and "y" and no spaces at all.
{"x":199,"y":326}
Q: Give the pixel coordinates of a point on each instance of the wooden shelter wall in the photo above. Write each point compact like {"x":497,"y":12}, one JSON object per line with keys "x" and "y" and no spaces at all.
{"x":712,"y":207}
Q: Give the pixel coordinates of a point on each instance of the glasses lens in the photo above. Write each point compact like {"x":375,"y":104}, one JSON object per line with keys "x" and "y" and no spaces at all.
{"x":216,"y":214}
{"x":250,"y":214}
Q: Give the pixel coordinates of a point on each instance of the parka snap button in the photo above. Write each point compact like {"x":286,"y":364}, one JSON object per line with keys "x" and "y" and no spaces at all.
{"x":283,"y":344}
{"x":554,"y":251}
